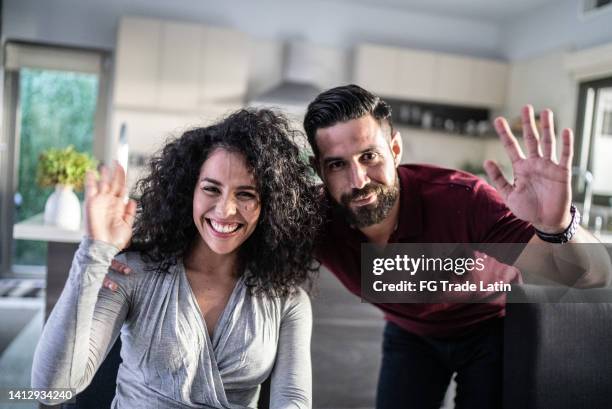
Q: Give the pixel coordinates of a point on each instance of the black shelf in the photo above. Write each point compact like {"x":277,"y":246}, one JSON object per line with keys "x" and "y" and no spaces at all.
{"x":452,"y":119}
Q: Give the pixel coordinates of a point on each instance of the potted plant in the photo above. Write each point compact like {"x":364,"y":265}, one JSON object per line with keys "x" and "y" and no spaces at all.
{"x":64,"y":169}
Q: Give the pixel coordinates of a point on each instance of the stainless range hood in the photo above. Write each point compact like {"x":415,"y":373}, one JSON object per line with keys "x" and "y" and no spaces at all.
{"x":288,"y":93}
{"x":307,"y":70}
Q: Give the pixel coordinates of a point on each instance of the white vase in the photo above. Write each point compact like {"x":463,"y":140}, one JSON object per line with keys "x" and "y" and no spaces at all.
{"x":63,"y":208}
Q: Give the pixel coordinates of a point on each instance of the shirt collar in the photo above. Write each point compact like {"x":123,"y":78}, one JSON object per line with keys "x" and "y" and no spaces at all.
{"x":410,"y":218}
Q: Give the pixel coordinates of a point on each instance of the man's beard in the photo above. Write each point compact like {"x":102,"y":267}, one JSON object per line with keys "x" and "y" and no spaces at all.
{"x":373,"y":213}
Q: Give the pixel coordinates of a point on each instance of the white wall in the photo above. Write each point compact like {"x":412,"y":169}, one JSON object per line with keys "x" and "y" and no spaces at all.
{"x":538,"y":44}
{"x":341,"y":24}
{"x":544,"y":82}
{"x":559,"y":26}
{"x":93,"y":23}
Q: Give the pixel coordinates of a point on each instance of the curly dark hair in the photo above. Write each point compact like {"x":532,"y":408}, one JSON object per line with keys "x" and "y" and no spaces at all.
{"x":341,"y":104}
{"x":278,"y":254}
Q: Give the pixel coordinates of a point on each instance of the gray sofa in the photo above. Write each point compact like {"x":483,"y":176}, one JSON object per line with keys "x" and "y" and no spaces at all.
{"x":558,"y":348}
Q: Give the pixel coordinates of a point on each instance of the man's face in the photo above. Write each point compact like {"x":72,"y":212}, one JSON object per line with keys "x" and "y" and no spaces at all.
{"x":357,"y":162}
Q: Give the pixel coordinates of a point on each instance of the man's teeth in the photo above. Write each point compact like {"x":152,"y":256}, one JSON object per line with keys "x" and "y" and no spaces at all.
{"x":358,"y":199}
{"x":224,"y":228}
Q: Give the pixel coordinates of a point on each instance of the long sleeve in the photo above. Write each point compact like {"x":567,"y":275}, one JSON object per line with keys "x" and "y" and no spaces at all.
{"x":291,"y":386}
{"x":84,"y":323}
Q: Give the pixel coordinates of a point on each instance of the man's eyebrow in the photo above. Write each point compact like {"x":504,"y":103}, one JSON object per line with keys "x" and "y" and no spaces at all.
{"x":336,"y":158}
{"x":332,"y":159}
{"x":216,"y":182}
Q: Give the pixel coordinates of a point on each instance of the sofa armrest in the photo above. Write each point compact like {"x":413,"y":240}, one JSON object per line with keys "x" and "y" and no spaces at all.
{"x":558,"y":348}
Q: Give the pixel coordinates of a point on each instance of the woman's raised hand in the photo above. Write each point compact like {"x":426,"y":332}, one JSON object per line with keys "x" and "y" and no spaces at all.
{"x":108,"y":217}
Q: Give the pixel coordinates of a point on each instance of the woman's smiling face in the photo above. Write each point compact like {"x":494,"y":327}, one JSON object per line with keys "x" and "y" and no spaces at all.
{"x":226,"y":204}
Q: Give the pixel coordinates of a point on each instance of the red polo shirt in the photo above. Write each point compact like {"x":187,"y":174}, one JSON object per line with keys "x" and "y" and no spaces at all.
{"x":436,"y":206}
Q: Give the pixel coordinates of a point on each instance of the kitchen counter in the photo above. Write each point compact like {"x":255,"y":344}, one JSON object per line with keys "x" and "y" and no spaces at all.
{"x":34,"y":228}
{"x":61,"y":246}
{"x":605,"y":237}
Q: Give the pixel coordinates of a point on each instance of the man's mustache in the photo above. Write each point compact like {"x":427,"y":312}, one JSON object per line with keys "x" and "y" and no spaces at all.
{"x":357,"y":194}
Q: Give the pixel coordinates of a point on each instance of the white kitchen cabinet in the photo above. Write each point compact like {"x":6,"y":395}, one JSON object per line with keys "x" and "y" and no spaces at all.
{"x":175,"y":66}
{"x":376,"y":68}
{"x":416,"y":74}
{"x":490,"y":82}
{"x":137,"y":62}
{"x":431,"y":77}
{"x":179,"y":66}
{"x":224,"y":65}
{"x":453,"y":79}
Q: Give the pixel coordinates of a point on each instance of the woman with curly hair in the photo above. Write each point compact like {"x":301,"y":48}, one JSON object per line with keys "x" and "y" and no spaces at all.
{"x":219,"y":246}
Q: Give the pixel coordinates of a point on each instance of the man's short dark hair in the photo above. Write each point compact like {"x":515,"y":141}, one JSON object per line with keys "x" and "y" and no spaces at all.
{"x":341,"y":104}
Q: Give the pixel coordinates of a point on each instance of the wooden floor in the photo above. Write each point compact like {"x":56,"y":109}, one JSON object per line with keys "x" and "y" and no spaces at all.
{"x":346,"y":349}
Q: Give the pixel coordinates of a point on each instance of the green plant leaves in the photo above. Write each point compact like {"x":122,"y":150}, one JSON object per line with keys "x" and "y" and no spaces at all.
{"x":64,"y":167}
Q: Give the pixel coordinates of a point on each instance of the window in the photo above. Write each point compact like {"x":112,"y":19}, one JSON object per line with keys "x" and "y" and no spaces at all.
{"x":54,"y":97}
{"x":594,"y":148}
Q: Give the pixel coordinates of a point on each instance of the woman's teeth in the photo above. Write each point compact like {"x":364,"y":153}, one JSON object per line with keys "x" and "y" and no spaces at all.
{"x":224,"y":228}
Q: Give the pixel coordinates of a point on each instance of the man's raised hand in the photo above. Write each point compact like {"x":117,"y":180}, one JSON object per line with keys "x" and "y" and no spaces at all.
{"x":541,"y":191}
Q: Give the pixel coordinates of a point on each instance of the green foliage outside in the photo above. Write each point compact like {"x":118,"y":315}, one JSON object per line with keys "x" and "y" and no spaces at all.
{"x":64,"y":167}
{"x":57,"y":110}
